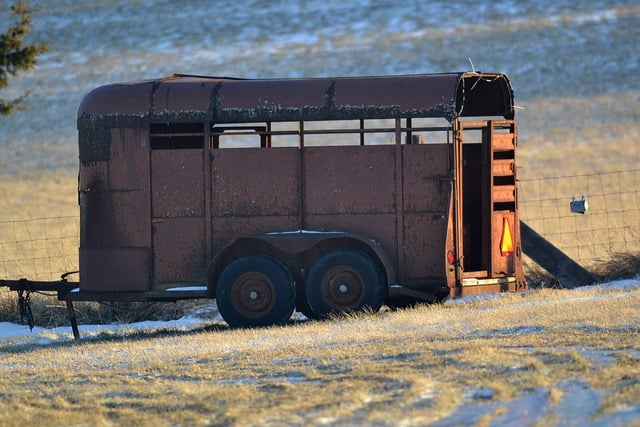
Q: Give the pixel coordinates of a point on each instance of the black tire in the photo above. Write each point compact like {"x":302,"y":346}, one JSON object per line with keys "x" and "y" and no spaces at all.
{"x":342,"y":281}
{"x":255,"y":291}
{"x":302,"y":304}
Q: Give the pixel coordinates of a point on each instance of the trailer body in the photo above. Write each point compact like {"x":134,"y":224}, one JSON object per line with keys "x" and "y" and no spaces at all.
{"x":321,"y":194}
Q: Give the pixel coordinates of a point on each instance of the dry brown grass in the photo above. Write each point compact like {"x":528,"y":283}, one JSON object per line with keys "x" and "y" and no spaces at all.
{"x":566,"y":136}
{"x":409,"y":367}
{"x":39,"y":195}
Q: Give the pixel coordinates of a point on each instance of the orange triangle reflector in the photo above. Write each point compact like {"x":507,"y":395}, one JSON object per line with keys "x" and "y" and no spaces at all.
{"x":506,"y":242}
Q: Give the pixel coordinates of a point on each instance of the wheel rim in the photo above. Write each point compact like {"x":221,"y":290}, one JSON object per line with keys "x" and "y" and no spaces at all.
{"x":253,"y":295}
{"x":342,"y":288}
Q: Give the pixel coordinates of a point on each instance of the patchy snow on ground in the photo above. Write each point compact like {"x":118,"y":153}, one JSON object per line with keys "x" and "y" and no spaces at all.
{"x":12,"y":333}
{"x":8,"y":330}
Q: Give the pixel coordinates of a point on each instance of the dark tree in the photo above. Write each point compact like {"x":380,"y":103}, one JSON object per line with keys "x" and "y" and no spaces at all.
{"x":14,"y":57}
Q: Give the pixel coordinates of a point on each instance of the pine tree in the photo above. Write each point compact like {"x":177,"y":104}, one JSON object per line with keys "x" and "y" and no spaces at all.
{"x":14,"y":57}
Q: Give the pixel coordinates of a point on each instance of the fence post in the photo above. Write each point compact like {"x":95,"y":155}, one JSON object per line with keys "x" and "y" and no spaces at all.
{"x":569,"y":273}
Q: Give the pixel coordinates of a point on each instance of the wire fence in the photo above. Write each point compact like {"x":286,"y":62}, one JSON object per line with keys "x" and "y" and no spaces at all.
{"x":609,"y":226}
{"x":39,"y":249}
{"x":44,"y":249}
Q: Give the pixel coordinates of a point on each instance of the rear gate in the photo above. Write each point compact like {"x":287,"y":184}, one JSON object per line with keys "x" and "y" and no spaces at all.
{"x":487,"y":223}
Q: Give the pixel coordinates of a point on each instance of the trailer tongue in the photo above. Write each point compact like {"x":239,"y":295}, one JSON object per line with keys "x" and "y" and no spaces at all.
{"x":25,"y":287}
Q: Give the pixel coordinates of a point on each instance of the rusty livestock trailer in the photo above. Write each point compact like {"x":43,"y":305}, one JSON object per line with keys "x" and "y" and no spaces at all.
{"x":318,"y":194}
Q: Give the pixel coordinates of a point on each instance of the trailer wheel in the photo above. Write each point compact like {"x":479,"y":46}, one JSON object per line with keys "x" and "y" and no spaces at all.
{"x":254,"y":291}
{"x":342,"y":281}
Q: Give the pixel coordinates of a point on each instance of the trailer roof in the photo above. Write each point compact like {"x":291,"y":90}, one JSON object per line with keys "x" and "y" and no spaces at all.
{"x":227,"y":100}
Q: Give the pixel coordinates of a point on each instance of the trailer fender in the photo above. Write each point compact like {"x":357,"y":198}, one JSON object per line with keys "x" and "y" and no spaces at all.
{"x":298,"y":250}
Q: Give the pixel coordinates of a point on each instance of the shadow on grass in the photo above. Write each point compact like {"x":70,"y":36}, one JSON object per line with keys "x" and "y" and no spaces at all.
{"x":122,"y":334}
{"x":115,"y":336}
{"x":620,"y":266}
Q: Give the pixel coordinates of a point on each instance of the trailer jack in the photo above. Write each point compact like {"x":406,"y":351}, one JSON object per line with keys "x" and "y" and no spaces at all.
{"x":72,"y":319}
{"x":24,"y":303}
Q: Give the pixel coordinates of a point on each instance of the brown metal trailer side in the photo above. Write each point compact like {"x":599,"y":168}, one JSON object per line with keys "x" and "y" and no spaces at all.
{"x":329,"y":220}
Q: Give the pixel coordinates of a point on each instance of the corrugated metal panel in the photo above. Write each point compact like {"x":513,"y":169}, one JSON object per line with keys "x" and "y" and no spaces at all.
{"x":353,"y":179}
{"x":115,"y":269}
{"x":247,"y":182}
{"x":426,"y":195}
{"x":178,"y":210}
{"x":115,"y":238}
{"x":177,"y":178}
{"x":179,"y":250}
{"x":426,"y":176}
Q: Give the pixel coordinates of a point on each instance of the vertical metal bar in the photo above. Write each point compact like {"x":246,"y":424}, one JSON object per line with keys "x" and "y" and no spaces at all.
{"x":457,"y":198}
{"x":518,"y":268}
{"x":152,"y":256}
{"x":487,"y":198}
{"x":268,"y":133}
{"x":400,"y":255}
{"x":300,"y":134}
{"x":72,"y":319}
{"x":208,"y":226}
{"x":301,"y":177}
{"x":361,"y":131}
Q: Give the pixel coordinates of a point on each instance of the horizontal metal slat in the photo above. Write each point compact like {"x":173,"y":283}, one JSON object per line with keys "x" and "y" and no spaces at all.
{"x":504,"y":193}
{"x":503,"y":141}
{"x":503,"y":167}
